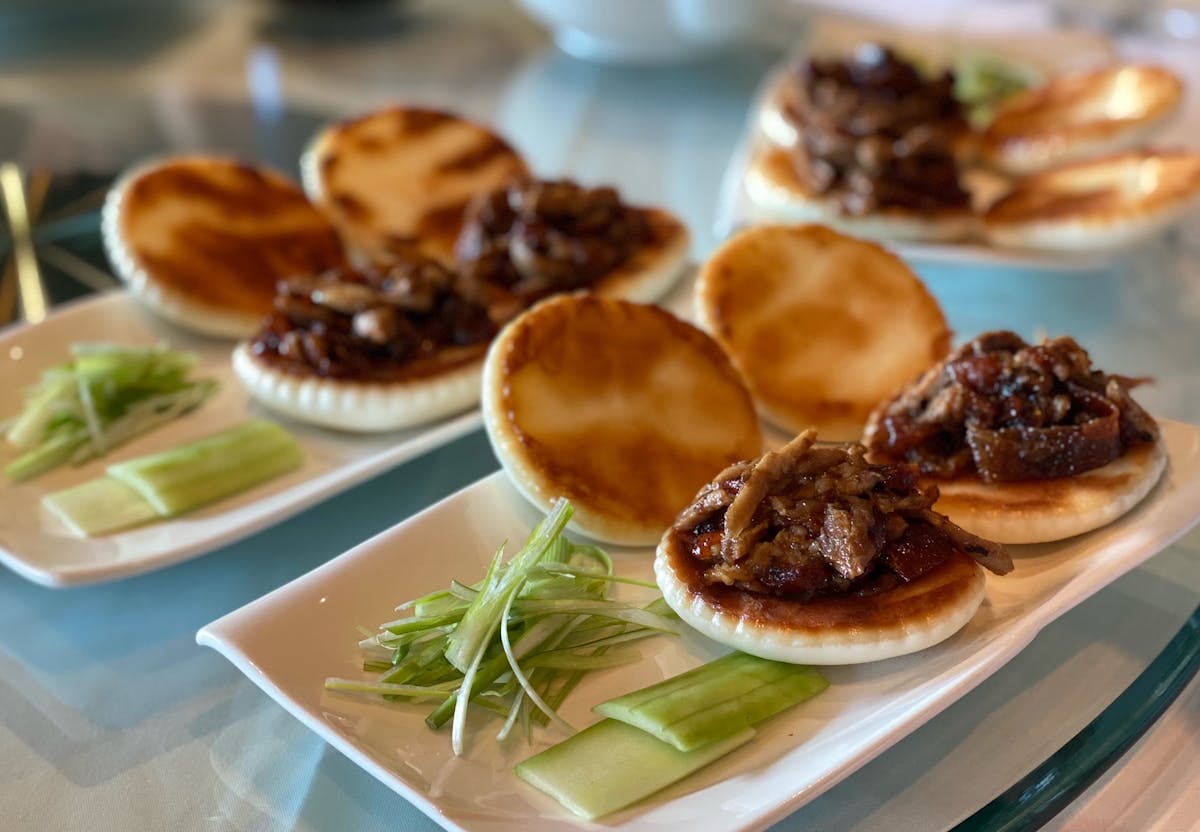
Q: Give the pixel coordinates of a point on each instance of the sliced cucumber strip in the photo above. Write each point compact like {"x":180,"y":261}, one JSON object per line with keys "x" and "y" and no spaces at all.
{"x":715,"y":700}
{"x":610,"y":765}
{"x":192,"y":475}
{"x":100,"y":506}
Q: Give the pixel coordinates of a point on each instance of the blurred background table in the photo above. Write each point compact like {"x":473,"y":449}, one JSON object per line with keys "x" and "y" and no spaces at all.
{"x":111,"y":717}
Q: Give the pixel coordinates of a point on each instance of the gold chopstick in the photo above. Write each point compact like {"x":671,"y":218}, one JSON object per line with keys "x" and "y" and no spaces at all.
{"x":29,"y":277}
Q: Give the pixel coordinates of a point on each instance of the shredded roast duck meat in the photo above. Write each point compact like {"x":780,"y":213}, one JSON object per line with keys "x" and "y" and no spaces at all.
{"x":362,"y":323}
{"x":810,"y":519}
{"x":1006,"y":410}
{"x":534,"y":237}
{"x":874,"y":134}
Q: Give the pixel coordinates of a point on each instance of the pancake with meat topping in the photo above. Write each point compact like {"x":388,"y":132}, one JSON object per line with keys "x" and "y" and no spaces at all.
{"x":1027,"y":443}
{"x":811,"y":555}
{"x":203,"y":240}
{"x":822,"y":326}
{"x":622,"y":408}
{"x":401,"y":175}
{"x":872,"y":149}
{"x":536,"y":237}
{"x":371,"y":349}
{"x":400,"y":343}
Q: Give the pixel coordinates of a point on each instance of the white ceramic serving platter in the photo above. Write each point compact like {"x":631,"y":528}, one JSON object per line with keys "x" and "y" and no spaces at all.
{"x":35,"y":545}
{"x":289,"y":641}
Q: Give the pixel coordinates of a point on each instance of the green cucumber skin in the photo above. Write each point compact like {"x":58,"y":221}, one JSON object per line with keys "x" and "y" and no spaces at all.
{"x":611,"y":765}
{"x":715,"y":700}
{"x":193,"y":475}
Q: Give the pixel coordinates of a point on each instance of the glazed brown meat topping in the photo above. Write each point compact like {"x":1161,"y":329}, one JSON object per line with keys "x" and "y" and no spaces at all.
{"x":537,"y":237}
{"x":875,"y":134}
{"x":809,"y":520}
{"x":363,"y":324}
{"x":1005,"y":410}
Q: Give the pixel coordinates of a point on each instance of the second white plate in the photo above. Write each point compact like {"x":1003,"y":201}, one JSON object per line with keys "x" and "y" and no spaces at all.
{"x":289,"y":641}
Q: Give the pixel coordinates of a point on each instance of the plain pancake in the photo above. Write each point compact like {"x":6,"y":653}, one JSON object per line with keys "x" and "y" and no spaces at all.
{"x":1040,"y":511}
{"x":822,"y":326}
{"x":1099,"y":204}
{"x":777,"y":194}
{"x":830,"y":629}
{"x":422,"y":391}
{"x":404,"y":174}
{"x":1079,"y":115}
{"x":203,"y":240}
{"x":621,"y":408}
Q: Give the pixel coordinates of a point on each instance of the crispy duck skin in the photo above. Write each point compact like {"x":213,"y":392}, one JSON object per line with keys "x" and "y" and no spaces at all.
{"x":1006,"y":411}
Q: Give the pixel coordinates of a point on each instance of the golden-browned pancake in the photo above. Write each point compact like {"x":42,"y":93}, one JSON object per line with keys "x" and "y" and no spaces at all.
{"x":822,"y":326}
{"x":622,"y":408}
{"x":1039,"y":511}
{"x":1098,"y":204}
{"x":832,"y":629}
{"x":1079,"y":115}
{"x":778,"y":195}
{"x":203,"y":240}
{"x":402,"y":174}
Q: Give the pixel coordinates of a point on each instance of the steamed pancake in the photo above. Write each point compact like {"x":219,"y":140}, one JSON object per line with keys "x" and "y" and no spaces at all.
{"x":622,"y":408}
{"x":402,"y":174}
{"x":1098,"y":204}
{"x":203,"y":240}
{"x":822,"y":326}
{"x":1043,"y":510}
{"x":1080,"y":115}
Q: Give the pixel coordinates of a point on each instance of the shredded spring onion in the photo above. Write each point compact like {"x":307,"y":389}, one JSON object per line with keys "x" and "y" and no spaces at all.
{"x":515,"y":643}
{"x":102,"y":397}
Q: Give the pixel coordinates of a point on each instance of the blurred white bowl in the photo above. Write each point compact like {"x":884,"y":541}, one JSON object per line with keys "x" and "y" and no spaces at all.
{"x":642,"y":31}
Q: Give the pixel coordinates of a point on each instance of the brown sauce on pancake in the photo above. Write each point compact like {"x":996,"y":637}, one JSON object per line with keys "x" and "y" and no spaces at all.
{"x":893,"y":606}
{"x":1045,"y":496}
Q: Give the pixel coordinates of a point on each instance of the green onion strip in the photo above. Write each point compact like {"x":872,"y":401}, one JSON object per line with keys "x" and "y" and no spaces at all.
{"x":517,"y":642}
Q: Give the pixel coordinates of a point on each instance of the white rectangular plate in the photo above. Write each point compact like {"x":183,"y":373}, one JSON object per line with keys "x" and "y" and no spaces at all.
{"x":38,"y":547}
{"x":289,"y":641}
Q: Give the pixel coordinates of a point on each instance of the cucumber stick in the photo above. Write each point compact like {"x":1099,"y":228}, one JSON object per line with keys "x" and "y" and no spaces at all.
{"x":100,"y":506}
{"x":178,"y":480}
{"x":610,"y":765}
{"x":198,"y":473}
{"x":715,"y":700}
